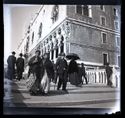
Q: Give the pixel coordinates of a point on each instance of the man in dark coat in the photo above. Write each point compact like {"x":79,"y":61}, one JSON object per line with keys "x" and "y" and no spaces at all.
{"x":62,"y":68}
{"x":109,"y":71}
{"x":83,"y":73}
{"x":35,"y":65}
{"x":11,"y":66}
{"x":55,"y":70}
{"x":20,"y":67}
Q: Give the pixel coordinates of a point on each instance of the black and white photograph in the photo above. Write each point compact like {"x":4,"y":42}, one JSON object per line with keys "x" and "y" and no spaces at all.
{"x":62,"y":56}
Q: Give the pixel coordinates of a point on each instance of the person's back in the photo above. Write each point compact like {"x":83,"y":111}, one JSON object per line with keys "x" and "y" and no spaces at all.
{"x":20,"y":63}
{"x":11,"y":61}
{"x":83,"y":70}
{"x":108,"y":71}
{"x":73,"y":67}
{"x":11,"y":66}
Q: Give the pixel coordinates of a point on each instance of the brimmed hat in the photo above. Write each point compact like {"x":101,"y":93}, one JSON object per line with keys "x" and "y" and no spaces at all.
{"x":13,"y":52}
{"x":21,"y":54}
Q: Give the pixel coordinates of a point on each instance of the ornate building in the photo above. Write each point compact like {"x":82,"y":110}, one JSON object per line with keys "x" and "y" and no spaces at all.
{"x":91,"y":31}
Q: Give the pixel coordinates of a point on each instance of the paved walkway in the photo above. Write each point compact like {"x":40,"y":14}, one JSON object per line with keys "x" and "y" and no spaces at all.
{"x":87,"y":96}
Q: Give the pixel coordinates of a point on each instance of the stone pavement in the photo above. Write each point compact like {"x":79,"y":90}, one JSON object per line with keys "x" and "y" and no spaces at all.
{"x":93,"y":95}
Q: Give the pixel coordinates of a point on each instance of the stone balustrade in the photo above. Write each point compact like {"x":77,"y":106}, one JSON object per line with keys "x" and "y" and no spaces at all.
{"x":99,"y":76}
{"x":96,"y":76}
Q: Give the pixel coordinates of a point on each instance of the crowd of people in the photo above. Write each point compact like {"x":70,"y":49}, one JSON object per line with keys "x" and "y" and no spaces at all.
{"x":43,"y":71}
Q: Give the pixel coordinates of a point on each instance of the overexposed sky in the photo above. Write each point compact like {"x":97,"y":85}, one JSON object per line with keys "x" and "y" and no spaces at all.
{"x":16,"y":19}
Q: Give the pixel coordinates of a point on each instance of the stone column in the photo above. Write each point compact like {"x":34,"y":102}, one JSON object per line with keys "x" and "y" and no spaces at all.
{"x":65,"y":47}
{"x":54,"y":54}
{"x":59,"y":51}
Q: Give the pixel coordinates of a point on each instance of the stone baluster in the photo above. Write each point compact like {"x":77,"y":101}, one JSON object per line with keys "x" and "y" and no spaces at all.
{"x":97,"y":75}
{"x":114,"y":77}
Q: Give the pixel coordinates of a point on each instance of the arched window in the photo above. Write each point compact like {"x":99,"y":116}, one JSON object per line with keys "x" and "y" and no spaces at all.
{"x":27,"y":44}
{"x":54,"y":34}
{"x":55,"y":13}
{"x":52,"y":54}
{"x":50,"y":38}
{"x":40,"y":30}
{"x":62,"y":44}
{"x":56,"y":52}
{"x":47,"y":40}
{"x":32,"y":37}
{"x":59,"y":31}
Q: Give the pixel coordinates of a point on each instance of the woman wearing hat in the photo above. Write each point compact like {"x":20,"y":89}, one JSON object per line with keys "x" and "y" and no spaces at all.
{"x":35,"y":67}
{"x":73,"y":72}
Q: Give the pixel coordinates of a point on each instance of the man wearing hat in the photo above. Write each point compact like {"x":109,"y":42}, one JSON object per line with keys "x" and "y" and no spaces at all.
{"x":11,"y":61}
{"x":55,"y":70}
{"x":62,"y":67}
{"x":20,"y":66}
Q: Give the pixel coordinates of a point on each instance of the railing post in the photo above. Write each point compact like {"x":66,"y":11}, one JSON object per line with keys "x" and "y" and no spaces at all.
{"x":97,"y":75}
{"x":113,"y":77}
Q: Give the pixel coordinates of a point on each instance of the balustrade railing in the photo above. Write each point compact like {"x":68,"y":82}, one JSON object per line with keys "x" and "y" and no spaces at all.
{"x":96,"y":76}
{"x":99,"y":76}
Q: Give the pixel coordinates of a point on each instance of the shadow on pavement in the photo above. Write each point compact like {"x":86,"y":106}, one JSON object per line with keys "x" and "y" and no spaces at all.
{"x":52,"y":93}
{"x":14,"y":97}
{"x":17,"y":96}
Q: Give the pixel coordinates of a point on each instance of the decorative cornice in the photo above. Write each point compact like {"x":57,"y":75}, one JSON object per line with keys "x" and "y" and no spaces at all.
{"x":97,"y":27}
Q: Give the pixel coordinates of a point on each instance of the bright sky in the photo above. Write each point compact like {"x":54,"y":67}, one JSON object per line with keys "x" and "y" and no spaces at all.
{"x":16,"y":20}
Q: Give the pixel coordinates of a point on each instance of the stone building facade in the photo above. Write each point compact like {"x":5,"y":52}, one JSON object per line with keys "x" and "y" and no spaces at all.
{"x":91,"y":31}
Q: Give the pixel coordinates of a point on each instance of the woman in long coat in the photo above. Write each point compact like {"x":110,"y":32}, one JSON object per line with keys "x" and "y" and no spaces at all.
{"x":73,"y":73}
{"x":48,"y":74}
{"x":36,"y":69}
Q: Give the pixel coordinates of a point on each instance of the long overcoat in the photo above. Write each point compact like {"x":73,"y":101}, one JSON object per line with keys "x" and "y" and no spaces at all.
{"x":48,"y":65}
{"x":11,"y":66}
{"x":20,"y":64}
